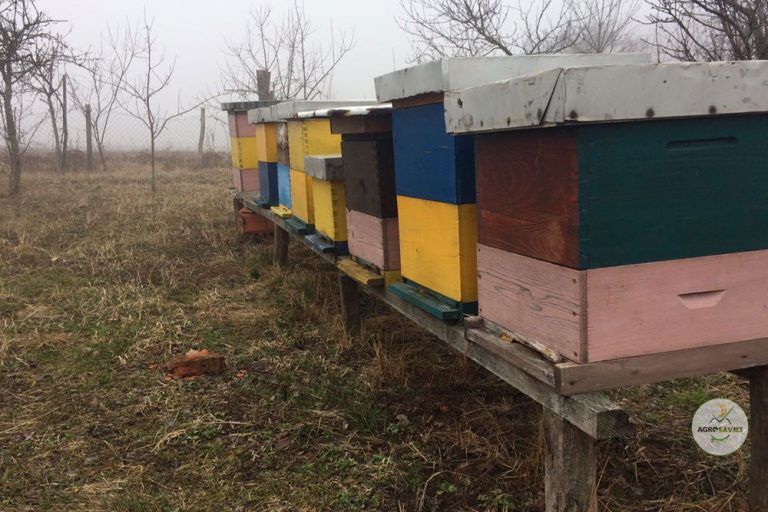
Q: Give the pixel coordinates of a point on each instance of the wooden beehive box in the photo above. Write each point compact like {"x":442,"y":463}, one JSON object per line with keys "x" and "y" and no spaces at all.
{"x":304,"y":137}
{"x":265,"y":128}
{"x":243,"y":144}
{"x":435,"y":174}
{"x":623,"y":210}
{"x":371,"y":202}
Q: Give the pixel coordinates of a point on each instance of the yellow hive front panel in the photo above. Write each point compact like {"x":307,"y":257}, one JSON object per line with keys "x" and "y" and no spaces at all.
{"x":330,"y":209}
{"x":302,"y":204}
{"x":266,"y":142}
{"x":296,"y":144}
{"x":438,"y":244}
{"x":318,"y":139}
{"x":244,"y":154}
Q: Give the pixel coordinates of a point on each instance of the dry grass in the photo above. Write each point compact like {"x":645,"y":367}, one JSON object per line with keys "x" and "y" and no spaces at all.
{"x":99,"y":280}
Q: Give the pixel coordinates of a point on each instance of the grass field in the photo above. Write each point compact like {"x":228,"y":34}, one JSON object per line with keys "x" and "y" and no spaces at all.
{"x":100,"y":281}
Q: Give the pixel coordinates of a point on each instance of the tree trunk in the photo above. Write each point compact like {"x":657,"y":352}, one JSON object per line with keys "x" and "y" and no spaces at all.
{"x":11,"y":136}
{"x":55,"y":128}
{"x":64,"y":127}
{"x":201,"y":141}
{"x":88,"y":139}
{"x":152,"y":158}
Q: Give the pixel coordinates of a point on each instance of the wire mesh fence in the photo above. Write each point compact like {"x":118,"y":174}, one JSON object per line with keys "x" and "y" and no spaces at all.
{"x":185,"y":141}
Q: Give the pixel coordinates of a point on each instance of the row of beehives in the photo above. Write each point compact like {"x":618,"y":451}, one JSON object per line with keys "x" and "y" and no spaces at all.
{"x":599,"y":205}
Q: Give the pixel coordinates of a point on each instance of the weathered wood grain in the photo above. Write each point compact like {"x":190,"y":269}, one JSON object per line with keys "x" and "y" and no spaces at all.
{"x":528,"y":194}
{"x":534,"y":299}
{"x":438,"y":246}
{"x":758,"y":430}
{"x":374,"y":239}
{"x":369,"y":169}
{"x":282,"y":241}
{"x":296,"y":145}
{"x":283,"y":152}
{"x":574,"y":378}
{"x":674,"y":305}
{"x":350,"y":304}
{"x":570,"y":477}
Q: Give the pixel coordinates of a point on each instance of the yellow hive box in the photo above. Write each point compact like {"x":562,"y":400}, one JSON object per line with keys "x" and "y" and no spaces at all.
{"x":318,"y":139}
{"x":244,"y":153}
{"x":438,"y":244}
{"x":330,"y":209}
{"x":296,"y":144}
{"x":266,"y":142}
{"x":302,"y":204}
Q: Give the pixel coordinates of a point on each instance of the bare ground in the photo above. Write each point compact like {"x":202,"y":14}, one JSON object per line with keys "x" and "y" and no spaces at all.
{"x":100,"y":281}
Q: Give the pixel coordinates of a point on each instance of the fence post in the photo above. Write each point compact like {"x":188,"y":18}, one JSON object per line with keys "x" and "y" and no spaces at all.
{"x":64,"y":125}
{"x":201,"y":141}
{"x":263,"y":78}
{"x":88,"y":139}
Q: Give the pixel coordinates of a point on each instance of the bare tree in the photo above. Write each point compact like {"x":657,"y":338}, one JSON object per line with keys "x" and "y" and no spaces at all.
{"x":153,"y":77}
{"x":710,"y":30}
{"x":49,"y":82}
{"x":449,"y":28}
{"x":299,"y":67}
{"x":25,"y":33}
{"x":105,"y":72}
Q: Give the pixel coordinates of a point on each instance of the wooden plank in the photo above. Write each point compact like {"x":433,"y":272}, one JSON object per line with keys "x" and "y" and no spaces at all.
{"x":516,"y":354}
{"x":302,"y":204}
{"x":426,"y":301}
{"x":325,"y":167}
{"x":438,"y":246}
{"x":283,"y":153}
{"x":421,"y":99}
{"x":758,"y":429}
{"x":378,"y":123}
{"x":266,"y":142}
{"x":244,"y":154}
{"x":359,"y":273}
{"x":429,"y":163}
{"x":528,"y":194}
{"x":594,"y":414}
{"x":369,"y":168}
{"x":350,"y":303}
{"x":672,"y":189}
{"x":330,"y":214}
{"x":296,"y":145}
{"x":282,"y":241}
{"x":534,"y":299}
{"x":242,"y":127}
{"x":284,"y":185}
{"x":318,"y":139}
{"x":664,"y":306}
{"x":374,"y":239}
{"x":268,"y":184}
{"x":249,"y":180}
{"x":572,"y":378}
{"x":570,"y":471}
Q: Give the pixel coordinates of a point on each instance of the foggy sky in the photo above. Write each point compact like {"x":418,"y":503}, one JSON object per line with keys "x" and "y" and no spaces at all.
{"x":195,"y":31}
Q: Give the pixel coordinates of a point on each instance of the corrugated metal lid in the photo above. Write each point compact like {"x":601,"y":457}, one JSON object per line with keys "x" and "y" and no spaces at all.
{"x":610,"y":94}
{"x":382,"y":109}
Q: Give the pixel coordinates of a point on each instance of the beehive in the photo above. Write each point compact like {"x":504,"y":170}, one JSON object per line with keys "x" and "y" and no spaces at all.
{"x":369,"y":182}
{"x":623,"y":209}
{"x":244,"y":146}
{"x":327,"y":174}
{"x":304,"y":137}
{"x":265,"y":131}
{"x":435,"y":174}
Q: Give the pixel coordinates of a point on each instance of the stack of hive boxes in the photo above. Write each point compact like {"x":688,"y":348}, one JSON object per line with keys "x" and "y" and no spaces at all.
{"x":435,"y":175}
{"x":265,"y":129}
{"x":623,"y":209}
{"x":283,"y":208}
{"x":369,"y":176}
{"x":244,"y":146}
{"x":306,"y":137}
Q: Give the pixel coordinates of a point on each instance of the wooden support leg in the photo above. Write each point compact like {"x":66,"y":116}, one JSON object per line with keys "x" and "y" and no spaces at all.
{"x":570,"y":467}
{"x":758,"y":430}
{"x":282,"y":238}
{"x":350,"y":303}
